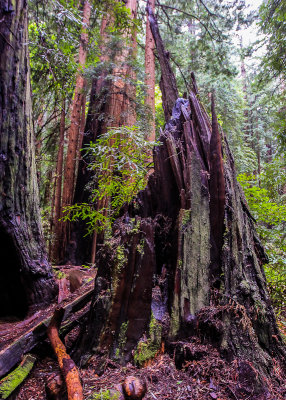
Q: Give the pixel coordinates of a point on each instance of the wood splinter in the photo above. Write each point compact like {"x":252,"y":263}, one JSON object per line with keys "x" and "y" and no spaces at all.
{"x":67,"y":365}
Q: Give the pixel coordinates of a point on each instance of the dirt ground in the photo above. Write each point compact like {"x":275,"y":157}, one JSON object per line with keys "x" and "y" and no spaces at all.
{"x":205,"y":375}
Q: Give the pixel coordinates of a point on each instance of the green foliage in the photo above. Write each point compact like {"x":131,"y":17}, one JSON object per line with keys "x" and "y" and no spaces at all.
{"x":273,"y":67}
{"x":271,"y":224}
{"x":120,"y":160}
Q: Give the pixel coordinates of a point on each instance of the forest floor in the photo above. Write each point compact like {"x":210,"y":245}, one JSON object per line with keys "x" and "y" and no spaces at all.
{"x":205,"y":376}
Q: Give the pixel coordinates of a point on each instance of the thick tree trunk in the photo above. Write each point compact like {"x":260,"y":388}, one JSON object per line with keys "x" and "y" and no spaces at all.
{"x":168,"y":84}
{"x":74,"y":130}
{"x":112,"y":104}
{"x":150,"y":73}
{"x":185,"y":259}
{"x":26,"y":276}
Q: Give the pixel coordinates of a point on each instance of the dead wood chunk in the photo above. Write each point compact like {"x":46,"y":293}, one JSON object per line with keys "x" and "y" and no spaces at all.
{"x":75,"y":279}
{"x":134,"y":388}
{"x":117,"y":393}
{"x":16,"y":377}
{"x":250,"y":382}
{"x":63,"y":290}
{"x":55,"y":389}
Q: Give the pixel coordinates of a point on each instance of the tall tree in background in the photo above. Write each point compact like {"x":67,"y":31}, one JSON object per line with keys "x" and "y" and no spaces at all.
{"x":26,"y":276}
{"x":56,"y":224}
{"x":112,"y":104}
{"x":74,"y":130}
{"x":150,"y":72}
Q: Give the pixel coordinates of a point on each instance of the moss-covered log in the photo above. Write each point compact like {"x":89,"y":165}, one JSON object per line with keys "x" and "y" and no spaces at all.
{"x":16,"y":377}
{"x":25,"y":277}
{"x":185,"y":256}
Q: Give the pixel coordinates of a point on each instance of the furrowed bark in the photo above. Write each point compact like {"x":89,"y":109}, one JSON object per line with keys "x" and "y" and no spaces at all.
{"x":168,"y":83}
{"x":112,"y":104}
{"x":26,"y":277}
{"x":67,"y":366}
{"x":217,"y":197}
{"x":56,"y":223}
{"x":150,"y":73}
{"x":73,"y":133}
{"x":189,"y":240}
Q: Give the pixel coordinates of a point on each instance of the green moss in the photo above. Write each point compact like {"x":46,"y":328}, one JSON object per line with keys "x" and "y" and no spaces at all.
{"x":185,"y":216}
{"x":59,"y":274}
{"x":15,"y":378}
{"x":140,"y":247}
{"x":105,"y":395}
{"x":147,"y":350}
{"x":121,"y":340}
{"x":136,"y":226}
{"x":120,"y":257}
{"x":120,"y":261}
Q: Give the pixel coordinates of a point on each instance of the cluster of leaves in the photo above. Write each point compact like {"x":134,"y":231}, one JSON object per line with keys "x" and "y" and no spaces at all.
{"x":270,"y":214}
{"x":120,"y":162}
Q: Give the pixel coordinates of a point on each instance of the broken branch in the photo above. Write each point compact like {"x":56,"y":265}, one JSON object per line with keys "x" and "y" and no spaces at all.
{"x":67,"y":365}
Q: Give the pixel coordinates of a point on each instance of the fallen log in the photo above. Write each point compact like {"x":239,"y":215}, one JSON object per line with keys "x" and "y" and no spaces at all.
{"x":12,"y":353}
{"x":16,"y":377}
{"x":67,"y":365}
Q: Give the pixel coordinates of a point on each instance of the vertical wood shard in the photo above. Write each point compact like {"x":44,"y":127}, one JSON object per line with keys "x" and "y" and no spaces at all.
{"x":217,"y":196}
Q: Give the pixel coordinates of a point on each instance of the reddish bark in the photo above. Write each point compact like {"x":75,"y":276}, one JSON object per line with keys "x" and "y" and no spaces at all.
{"x":56,"y":227}
{"x":76,"y":114}
{"x":150,"y":73}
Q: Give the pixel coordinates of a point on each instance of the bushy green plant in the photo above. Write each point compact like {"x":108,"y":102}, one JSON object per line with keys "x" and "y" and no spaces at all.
{"x":271,"y":222}
{"x":120,"y":160}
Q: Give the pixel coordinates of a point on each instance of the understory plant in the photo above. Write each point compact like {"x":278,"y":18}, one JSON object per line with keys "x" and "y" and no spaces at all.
{"x":120,"y":161}
{"x":270,"y":215}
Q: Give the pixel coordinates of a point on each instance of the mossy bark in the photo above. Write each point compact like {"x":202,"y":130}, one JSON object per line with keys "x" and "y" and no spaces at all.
{"x":26,"y":277}
{"x":205,"y":262}
{"x":16,"y":377}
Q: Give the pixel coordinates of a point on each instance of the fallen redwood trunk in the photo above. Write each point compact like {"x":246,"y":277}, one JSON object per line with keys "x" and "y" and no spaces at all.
{"x":185,"y":259}
{"x":12,"y":352}
{"x":67,"y":365}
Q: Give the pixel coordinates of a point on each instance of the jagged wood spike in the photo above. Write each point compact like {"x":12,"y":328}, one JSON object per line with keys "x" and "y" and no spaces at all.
{"x":168,"y":83}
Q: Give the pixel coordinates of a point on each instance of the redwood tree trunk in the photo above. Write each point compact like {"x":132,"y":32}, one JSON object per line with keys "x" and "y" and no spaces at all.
{"x":150,"y":73}
{"x":185,"y":257}
{"x":56,"y":226}
{"x":112,"y":104}
{"x":74,"y":130}
{"x":26,"y":276}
